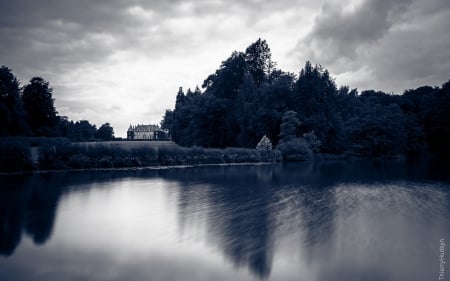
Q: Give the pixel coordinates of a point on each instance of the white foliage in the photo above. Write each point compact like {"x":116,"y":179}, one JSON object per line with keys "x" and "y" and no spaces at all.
{"x":264,"y":144}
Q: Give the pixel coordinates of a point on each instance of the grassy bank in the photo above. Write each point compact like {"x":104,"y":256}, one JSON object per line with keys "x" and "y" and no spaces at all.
{"x":15,"y":156}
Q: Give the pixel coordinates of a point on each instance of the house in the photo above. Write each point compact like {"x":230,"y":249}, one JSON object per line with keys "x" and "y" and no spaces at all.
{"x":147,"y":132}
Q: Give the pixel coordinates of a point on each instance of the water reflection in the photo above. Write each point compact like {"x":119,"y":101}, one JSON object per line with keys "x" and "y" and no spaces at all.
{"x":238,"y":218}
{"x":341,"y":211}
{"x":30,"y":207}
{"x":311,"y":221}
{"x":29,"y":204}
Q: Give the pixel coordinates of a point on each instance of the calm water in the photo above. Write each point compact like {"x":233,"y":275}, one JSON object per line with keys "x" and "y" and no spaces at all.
{"x":331,"y":221}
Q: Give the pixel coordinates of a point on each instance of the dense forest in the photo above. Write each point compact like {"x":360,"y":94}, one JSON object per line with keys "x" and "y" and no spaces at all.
{"x":248,"y":98}
{"x":30,"y":111}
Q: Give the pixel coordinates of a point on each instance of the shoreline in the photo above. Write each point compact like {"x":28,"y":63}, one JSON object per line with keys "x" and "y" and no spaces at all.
{"x":156,"y":167}
{"x":318,"y":159}
{"x":19,"y":159}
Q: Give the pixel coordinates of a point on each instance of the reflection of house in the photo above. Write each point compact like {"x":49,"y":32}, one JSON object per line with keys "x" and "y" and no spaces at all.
{"x":147,"y":132}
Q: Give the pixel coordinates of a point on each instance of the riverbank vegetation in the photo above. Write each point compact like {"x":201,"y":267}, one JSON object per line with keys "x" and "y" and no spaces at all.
{"x":15,"y":156}
{"x":248,"y":97}
{"x":247,"y":111}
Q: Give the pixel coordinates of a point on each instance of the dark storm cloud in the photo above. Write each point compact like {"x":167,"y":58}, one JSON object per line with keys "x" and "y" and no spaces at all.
{"x":398,"y":44}
{"x":94,"y":51}
{"x":43,"y":35}
{"x":48,"y":37}
{"x":339,"y":31}
{"x":51,"y":35}
{"x":125,"y":51}
{"x":40,"y":36}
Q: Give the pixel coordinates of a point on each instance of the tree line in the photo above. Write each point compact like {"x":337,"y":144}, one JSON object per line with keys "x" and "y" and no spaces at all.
{"x":30,"y":111}
{"x":248,"y":98}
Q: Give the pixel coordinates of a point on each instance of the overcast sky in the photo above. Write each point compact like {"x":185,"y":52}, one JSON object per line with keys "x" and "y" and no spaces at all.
{"x":122,"y":61}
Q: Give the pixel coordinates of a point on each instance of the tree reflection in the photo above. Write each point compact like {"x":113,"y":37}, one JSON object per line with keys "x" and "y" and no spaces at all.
{"x":29,"y":206}
{"x":242,"y":224}
{"x":246,"y":207}
{"x":41,"y":207}
{"x":12,"y":213}
{"x":245,"y":210}
{"x":236,"y":207}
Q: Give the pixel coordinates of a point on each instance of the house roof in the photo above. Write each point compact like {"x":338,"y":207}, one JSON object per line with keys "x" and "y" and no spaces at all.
{"x":144,"y":128}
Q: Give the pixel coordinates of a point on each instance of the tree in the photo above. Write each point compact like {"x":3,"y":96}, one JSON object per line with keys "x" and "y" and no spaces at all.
{"x":225,"y":82}
{"x":66,"y":127}
{"x":315,"y":100}
{"x":291,"y":146}
{"x":247,"y":98}
{"x":245,"y":110}
{"x":105,"y":132}
{"x":379,"y":130}
{"x":84,"y":130}
{"x":12,"y":114}
{"x":289,"y":126}
{"x":38,"y":101}
{"x":167,"y":121}
{"x":312,"y":141}
{"x":275,"y":100}
{"x":437,"y":121}
{"x":264,"y":144}
{"x":259,"y":61}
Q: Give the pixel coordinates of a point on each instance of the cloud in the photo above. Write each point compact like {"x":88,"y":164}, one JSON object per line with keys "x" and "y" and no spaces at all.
{"x":63,"y":32}
{"x":122,"y":61}
{"x":386,"y":45}
{"x":340,"y":31}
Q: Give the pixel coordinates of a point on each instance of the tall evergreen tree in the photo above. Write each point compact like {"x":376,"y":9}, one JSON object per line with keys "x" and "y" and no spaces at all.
{"x":167,"y":121}
{"x":315,"y":99}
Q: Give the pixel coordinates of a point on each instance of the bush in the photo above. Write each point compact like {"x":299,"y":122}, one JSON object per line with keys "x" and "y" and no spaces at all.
{"x":167,"y":156}
{"x":54,"y":158}
{"x":241,"y":155}
{"x":264,"y":144}
{"x":101,"y":156}
{"x":270,"y":156}
{"x":80,"y":161}
{"x":147,"y":155}
{"x":296,"y":149}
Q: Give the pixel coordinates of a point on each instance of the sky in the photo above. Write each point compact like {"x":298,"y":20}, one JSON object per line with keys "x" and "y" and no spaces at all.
{"x":122,"y":61}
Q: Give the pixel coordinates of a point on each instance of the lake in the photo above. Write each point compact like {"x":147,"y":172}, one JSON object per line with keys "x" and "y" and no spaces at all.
{"x":353,"y":220}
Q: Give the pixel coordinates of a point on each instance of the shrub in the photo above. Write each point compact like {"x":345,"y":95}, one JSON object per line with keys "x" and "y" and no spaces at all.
{"x":54,"y":158}
{"x":296,"y":149}
{"x":101,"y":156}
{"x":270,"y":156}
{"x":80,"y":161}
{"x":241,"y":155}
{"x":147,"y":155}
{"x":264,"y":144}
{"x":106,"y":162}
